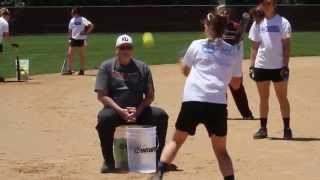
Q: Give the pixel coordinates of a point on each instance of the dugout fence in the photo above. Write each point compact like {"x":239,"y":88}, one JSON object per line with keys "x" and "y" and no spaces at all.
{"x":34,"y":20}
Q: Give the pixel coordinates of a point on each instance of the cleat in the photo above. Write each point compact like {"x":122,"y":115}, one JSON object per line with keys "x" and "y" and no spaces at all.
{"x":287,"y":134}
{"x":261,"y":134}
{"x":81,"y":73}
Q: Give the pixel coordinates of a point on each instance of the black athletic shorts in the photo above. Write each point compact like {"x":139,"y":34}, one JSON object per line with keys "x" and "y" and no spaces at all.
{"x":273,"y":75}
{"x":1,"y":48}
{"x":213,"y":116}
{"x":77,"y":42}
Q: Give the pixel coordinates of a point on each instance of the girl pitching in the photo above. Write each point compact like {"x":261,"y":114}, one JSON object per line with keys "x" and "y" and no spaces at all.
{"x":208,"y":65}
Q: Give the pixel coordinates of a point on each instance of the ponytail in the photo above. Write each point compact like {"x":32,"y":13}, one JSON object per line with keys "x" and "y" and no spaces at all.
{"x":217,"y":23}
{"x":4,"y":12}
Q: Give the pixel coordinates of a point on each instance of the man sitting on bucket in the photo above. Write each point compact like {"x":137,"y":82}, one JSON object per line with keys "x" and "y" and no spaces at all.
{"x":125,"y":87}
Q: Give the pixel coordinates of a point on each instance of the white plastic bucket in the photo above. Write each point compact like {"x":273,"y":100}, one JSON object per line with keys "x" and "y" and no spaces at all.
{"x":142,"y":147}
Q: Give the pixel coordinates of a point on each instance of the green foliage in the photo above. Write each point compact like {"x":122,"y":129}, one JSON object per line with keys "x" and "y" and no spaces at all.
{"x":47,"y":52}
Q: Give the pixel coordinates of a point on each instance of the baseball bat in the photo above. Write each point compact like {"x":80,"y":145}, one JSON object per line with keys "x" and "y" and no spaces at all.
{"x":244,"y":23}
{"x":62,"y":70}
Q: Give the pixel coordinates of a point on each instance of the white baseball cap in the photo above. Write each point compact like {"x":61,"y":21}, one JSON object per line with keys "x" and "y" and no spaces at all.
{"x":124,"y":39}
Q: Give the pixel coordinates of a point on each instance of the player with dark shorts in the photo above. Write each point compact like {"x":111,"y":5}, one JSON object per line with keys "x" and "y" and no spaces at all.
{"x":208,"y":65}
{"x":270,"y":54}
{"x":274,"y":75}
{"x":234,"y":36}
{"x":79,"y":28}
{"x":212,"y":115}
{"x":77,"y":42}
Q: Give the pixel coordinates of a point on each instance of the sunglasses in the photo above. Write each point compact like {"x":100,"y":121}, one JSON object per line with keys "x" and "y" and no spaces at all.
{"x":125,"y":48}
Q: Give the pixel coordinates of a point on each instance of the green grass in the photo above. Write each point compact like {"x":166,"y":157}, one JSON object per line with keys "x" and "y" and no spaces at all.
{"x":47,"y":52}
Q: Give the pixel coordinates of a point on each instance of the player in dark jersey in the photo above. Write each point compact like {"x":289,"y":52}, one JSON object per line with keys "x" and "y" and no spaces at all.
{"x":234,"y":36}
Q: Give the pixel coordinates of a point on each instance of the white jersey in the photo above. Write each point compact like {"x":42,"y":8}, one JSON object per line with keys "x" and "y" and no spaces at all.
{"x":77,"y":27}
{"x":270,"y":33}
{"x":211,"y":66}
{"x":4,"y":28}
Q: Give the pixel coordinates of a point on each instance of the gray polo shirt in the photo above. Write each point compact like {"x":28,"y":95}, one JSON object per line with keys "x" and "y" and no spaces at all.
{"x":126,"y":85}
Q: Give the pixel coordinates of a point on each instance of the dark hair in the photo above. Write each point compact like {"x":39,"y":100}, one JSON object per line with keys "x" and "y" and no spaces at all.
{"x":76,"y":10}
{"x":217,"y":22}
{"x":275,"y":2}
{"x":257,"y":13}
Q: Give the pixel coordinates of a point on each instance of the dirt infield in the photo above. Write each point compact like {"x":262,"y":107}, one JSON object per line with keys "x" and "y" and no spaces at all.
{"x":47,"y":130}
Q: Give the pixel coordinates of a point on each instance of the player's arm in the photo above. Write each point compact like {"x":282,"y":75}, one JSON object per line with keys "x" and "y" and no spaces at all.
{"x":253,"y":52}
{"x":185,"y":69}
{"x":70,"y":30}
{"x":253,"y":55}
{"x":8,"y":38}
{"x":89,"y":28}
{"x":149,"y":94}
{"x":236,"y":79}
{"x":147,"y":101}
{"x":70,"y":33}
{"x":103,"y":97}
{"x":286,"y":43}
{"x":255,"y":37}
{"x":188,"y":60}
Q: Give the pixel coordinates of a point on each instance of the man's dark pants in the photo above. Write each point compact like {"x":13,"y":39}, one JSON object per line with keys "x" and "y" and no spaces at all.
{"x":109,"y":120}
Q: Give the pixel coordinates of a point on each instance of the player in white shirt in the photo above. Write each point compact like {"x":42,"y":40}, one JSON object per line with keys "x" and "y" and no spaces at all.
{"x":4,"y":31}
{"x":79,"y":28}
{"x":208,"y":65}
{"x":270,"y":53}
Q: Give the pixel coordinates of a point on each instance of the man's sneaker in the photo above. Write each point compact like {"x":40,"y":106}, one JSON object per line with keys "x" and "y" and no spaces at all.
{"x":287,"y":134}
{"x":261,"y":134}
{"x":69,"y":72}
{"x":2,"y":79}
{"x":107,"y":168}
{"x":81,"y":73}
